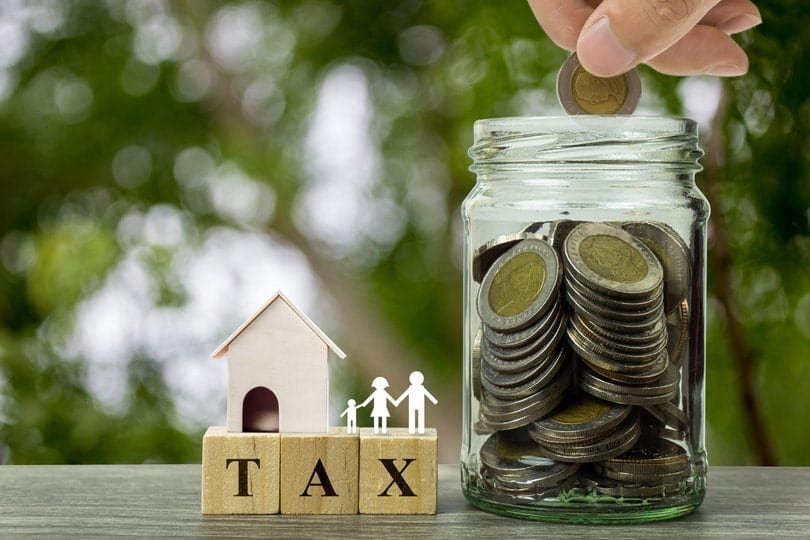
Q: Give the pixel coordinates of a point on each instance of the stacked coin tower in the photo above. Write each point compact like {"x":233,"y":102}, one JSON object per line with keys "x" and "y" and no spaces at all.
{"x":577,"y":363}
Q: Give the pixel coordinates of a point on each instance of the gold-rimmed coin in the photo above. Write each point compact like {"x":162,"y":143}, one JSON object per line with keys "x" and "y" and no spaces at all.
{"x":520,"y":286}
{"x":580,"y":92}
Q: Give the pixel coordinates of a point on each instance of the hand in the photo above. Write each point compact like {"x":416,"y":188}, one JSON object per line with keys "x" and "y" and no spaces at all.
{"x":677,"y":37}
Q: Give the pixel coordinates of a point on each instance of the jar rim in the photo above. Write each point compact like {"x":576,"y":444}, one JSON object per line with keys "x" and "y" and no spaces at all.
{"x":557,"y":142}
{"x":609,"y":125}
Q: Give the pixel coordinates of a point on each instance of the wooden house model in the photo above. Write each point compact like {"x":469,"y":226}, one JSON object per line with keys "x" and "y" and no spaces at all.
{"x":278,"y":371}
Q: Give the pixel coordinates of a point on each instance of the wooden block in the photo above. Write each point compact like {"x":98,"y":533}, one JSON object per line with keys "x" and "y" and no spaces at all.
{"x":398,"y":472}
{"x":319,"y":472}
{"x":240,"y":472}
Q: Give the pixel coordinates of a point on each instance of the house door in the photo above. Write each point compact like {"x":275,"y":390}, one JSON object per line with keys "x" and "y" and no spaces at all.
{"x":260,"y":411}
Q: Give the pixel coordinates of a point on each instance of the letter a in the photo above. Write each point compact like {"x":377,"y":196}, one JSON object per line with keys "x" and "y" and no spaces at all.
{"x":325,"y":483}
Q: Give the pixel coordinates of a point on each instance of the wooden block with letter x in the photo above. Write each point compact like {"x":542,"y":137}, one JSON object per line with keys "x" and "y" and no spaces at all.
{"x":398,"y":472}
{"x":240,"y":472}
{"x":319,"y":472}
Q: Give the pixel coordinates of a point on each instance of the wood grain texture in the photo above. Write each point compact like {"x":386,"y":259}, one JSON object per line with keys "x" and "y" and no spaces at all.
{"x":163,"y":500}
{"x":398,"y":455}
{"x":319,"y":473}
{"x":240,"y":472}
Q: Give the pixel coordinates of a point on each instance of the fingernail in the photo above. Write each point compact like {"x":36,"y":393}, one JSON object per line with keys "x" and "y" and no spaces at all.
{"x":604,"y":54}
{"x":726,"y":70}
{"x":740,"y":23}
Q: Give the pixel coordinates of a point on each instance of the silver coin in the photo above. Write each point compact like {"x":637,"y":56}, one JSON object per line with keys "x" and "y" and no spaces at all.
{"x":602,"y":364}
{"x":508,"y":340}
{"x":618,"y":353}
{"x":537,"y":379}
{"x":485,"y":255}
{"x":547,"y":351}
{"x":642,"y":352}
{"x":622,"y":397}
{"x":612,"y":261}
{"x":649,"y":458}
{"x":620,"y":304}
{"x":672,"y":252}
{"x":647,"y":314}
{"x":557,"y":319}
{"x":666,"y":384}
{"x":520,"y":286}
{"x":499,"y":406}
{"x":639,"y":338}
{"x":579,"y":92}
{"x":625,"y":327}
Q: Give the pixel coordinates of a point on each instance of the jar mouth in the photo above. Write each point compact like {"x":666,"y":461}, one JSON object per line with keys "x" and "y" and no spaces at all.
{"x":587,"y":140}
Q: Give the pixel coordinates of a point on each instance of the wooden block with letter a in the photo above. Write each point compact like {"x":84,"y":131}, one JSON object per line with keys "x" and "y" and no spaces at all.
{"x":319,"y":472}
{"x":240,"y":472}
{"x":398,"y":472}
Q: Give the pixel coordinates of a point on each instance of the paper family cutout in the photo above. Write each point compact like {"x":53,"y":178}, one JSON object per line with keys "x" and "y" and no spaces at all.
{"x":416,"y":394}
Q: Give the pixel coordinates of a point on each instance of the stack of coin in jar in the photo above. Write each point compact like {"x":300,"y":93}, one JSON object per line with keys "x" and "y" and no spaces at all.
{"x":571,"y":365}
{"x":524,"y":370}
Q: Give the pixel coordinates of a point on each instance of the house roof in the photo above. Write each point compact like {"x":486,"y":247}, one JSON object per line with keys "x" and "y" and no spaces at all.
{"x":223,"y":348}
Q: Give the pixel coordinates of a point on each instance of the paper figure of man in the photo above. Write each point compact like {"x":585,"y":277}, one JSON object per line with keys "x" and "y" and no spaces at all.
{"x":416,"y":394}
{"x":381,"y":398}
{"x":351,"y":416}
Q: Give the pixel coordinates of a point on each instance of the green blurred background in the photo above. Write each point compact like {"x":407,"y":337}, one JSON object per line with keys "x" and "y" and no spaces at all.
{"x":165,"y":166}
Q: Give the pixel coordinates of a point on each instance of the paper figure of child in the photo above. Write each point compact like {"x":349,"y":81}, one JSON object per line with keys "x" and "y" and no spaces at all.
{"x":416,"y":394}
{"x":381,"y":398}
{"x":351,"y":416}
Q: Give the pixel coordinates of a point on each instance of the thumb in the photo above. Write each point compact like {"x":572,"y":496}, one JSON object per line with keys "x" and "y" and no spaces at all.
{"x":621,"y":34}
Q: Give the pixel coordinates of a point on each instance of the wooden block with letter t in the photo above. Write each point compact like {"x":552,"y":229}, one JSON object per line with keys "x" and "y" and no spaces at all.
{"x":319,"y":472}
{"x":240,"y":472}
{"x":398,"y":472}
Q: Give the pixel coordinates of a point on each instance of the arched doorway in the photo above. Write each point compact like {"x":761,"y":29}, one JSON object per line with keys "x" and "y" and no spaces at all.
{"x":260,"y":411}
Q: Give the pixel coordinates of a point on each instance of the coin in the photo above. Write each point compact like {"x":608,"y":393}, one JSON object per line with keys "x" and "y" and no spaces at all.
{"x":548,"y":349}
{"x":580,"y":92}
{"x":558,"y":232}
{"x":612,"y":261}
{"x":503,"y":386}
{"x":520,"y":465}
{"x":672,"y":252}
{"x":520,"y":286}
{"x":581,"y":418}
{"x":475,"y":364}
{"x":678,"y":332}
{"x":617,"y":442}
{"x":516,"y":353}
{"x":520,"y":338}
{"x":615,"y":488}
{"x":485,"y":255}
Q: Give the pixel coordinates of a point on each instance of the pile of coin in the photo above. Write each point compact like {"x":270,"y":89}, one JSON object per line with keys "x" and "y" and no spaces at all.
{"x":524,"y":369}
{"x":614,"y":286}
{"x":577,"y":363}
{"x":586,"y":429}
{"x":514,"y":466}
{"x":650,"y":469}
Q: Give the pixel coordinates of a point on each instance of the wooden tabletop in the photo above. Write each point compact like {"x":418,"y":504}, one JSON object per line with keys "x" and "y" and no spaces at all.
{"x":164,"y":500}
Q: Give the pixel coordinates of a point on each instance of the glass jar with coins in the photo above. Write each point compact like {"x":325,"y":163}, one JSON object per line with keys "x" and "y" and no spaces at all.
{"x":584,"y":288}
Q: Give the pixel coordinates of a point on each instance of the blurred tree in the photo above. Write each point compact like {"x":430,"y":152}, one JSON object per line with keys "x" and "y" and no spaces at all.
{"x":135,"y":137}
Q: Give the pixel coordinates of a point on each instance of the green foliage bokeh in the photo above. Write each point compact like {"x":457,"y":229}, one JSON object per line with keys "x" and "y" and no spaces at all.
{"x":91,"y":80}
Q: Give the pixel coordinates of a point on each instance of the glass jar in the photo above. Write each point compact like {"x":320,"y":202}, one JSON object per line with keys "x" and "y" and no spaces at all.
{"x":584,"y":302}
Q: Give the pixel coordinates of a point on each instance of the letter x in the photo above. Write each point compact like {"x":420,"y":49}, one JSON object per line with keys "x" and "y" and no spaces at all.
{"x":396,"y":475}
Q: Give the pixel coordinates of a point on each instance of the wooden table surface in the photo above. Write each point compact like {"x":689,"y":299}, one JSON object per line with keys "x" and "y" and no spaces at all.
{"x":164,"y":500}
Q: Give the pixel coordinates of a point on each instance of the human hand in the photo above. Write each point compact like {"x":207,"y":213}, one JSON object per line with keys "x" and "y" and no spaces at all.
{"x":676,"y":37}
